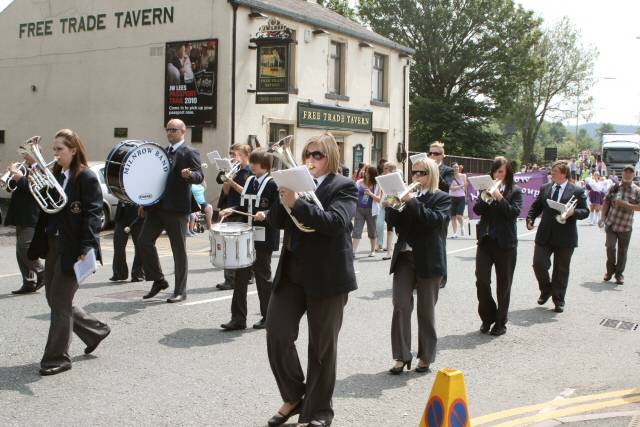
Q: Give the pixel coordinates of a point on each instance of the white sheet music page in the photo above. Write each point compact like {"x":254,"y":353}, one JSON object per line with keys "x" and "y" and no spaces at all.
{"x":223,"y":164}
{"x":86,"y":267}
{"x":391,"y":184}
{"x":556,"y":206}
{"x":297,"y":179}
{"x":481,"y":182}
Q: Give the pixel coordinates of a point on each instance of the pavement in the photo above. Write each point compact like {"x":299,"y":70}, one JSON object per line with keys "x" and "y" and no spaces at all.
{"x":170,"y":364}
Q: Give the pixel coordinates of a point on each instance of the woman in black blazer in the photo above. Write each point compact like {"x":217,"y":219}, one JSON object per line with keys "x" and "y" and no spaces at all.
{"x":419,"y":262}
{"x":314,"y":276}
{"x":497,"y":245}
{"x":62,"y":239}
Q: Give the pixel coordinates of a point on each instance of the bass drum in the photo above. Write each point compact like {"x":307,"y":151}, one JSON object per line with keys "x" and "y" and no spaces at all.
{"x":137,"y":171}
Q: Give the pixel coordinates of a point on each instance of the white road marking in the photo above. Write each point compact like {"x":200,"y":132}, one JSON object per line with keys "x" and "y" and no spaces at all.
{"x":565,"y":394}
{"x":206,"y":301}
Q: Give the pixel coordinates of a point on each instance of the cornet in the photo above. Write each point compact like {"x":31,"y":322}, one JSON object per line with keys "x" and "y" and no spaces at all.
{"x":7,"y":182}
{"x":231,"y":174}
{"x":282,"y":150}
{"x":562,"y":218}
{"x":395,"y":201}
{"x":487,"y":195}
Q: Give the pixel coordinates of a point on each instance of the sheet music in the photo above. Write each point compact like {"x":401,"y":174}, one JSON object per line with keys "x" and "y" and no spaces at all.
{"x":391,"y":184}
{"x":481,"y":182}
{"x":223,"y":164}
{"x":86,"y":267}
{"x":556,"y":205}
{"x":419,"y":156}
{"x":297,"y":179}
{"x":212,"y":156}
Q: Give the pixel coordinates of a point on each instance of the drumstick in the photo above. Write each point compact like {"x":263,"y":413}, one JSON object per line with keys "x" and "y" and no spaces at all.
{"x":241,"y":213}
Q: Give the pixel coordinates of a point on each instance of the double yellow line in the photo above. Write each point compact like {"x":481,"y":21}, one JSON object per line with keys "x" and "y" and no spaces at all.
{"x":582,"y":404}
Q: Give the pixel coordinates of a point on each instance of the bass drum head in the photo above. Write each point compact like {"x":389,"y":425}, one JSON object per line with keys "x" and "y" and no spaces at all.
{"x":144,"y":173}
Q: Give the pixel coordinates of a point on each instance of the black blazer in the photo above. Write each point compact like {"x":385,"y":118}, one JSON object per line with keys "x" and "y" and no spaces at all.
{"x":326,"y":254}
{"x":420,"y":225}
{"x":551,"y":232}
{"x":78,"y":222}
{"x":446,"y":177}
{"x":501,"y":216}
{"x":267,"y":200}
{"x":177,"y":194}
{"x":23,"y":209}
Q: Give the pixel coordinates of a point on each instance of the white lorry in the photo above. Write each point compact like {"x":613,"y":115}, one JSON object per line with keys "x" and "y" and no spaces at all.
{"x":619,"y":150}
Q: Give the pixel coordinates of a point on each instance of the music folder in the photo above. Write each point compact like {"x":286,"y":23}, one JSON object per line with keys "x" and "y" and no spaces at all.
{"x":296,"y":179}
{"x":86,"y":267}
{"x":556,"y":205}
{"x":392,"y":184}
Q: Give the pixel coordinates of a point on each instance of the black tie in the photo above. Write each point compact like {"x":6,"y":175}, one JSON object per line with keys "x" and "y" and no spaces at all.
{"x":255,"y":186}
{"x":556,"y":193}
{"x":315,"y":181}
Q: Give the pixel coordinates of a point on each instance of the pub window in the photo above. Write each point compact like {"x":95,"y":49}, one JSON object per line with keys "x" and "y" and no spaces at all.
{"x":378,"y":147}
{"x":120,"y":132}
{"x":336,"y":68}
{"x":378,"y":79}
{"x":196,"y":134}
{"x":2,"y":136}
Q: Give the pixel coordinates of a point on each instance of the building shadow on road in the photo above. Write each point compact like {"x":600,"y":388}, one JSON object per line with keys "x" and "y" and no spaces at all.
{"x":532,"y":316}
{"x":189,"y":337}
{"x":125,"y":308}
{"x":601,"y":286}
{"x":366,"y":386}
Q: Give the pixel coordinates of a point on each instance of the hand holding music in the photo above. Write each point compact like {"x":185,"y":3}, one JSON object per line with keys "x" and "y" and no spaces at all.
{"x":260,"y":216}
{"x":14,"y":169}
{"x":186,"y":173}
{"x":529,"y":225}
{"x":407,"y":197}
{"x":569,"y":212}
{"x":287,"y":197}
{"x":496,"y":194}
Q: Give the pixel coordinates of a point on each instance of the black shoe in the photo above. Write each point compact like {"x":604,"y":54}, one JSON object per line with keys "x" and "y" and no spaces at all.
{"x":607,"y":277}
{"x":484,"y":328}
{"x":224,"y":287}
{"x":233,"y":326}
{"x":25,"y":289}
{"x":176,"y":298}
{"x":319,"y":423}
{"x":39,"y":280}
{"x":543,"y":298}
{"x":54,"y":370}
{"x":117,"y":279}
{"x":620,"y":280}
{"x":421,"y":369}
{"x":559,"y":308}
{"x":398,"y":370}
{"x":279,"y":418}
{"x":443,"y":282}
{"x":137,"y":279}
{"x":91,"y":348}
{"x":498,"y":330}
{"x":261,"y":324}
{"x":158,"y":285}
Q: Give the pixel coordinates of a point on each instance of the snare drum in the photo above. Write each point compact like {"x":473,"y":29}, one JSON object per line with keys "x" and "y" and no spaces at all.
{"x":232,"y":245}
{"x":137,"y":171}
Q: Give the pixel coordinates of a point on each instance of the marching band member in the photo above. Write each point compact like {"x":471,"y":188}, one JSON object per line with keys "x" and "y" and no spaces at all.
{"x":62,"y":239}
{"x":315,"y":275}
{"x":171,"y":214}
{"x":23,"y":214}
{"x":436,"y":153}
{"x":497,"y":245}
{"x":261,"y":185}
{"x":419,"y":262}
{"x":126,"y":218}
{"x":554,"y":238}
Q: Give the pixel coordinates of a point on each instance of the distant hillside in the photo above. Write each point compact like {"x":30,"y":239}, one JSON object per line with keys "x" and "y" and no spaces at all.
{"x":592,"y":127}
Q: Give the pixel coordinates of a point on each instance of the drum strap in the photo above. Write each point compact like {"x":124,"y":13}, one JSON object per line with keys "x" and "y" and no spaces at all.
{"x":247,"y":185}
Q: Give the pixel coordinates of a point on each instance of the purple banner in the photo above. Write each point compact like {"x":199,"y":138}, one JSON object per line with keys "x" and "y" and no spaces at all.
{"x":529,"y":182}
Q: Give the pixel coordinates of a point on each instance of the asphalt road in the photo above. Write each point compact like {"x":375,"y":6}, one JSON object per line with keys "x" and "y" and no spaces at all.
{"x":172,"y":365}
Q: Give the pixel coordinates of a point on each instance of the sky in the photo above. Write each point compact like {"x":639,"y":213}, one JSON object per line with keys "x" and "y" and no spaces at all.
{"x":611,"y":27}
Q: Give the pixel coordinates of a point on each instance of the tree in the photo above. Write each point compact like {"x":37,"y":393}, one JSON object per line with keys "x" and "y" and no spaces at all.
{"x":340,"y":6}
{"x":566,"y":74}
{"x":605,"y":128}
{"x":470,"y":57}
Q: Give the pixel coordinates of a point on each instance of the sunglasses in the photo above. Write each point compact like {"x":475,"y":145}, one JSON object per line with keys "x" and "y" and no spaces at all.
{"x":419,"y":173}
{"x":435,"y":153}
{"x":317,"y":155}
{"x":170,"y":130}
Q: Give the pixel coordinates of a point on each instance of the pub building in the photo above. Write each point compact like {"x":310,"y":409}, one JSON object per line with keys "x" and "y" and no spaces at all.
{"x":246,"y":71}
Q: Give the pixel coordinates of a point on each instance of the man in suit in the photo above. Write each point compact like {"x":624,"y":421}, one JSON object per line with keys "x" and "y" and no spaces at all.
{"x":126,"y":218}
{"x":171,"y":213}
{"x":436,"y":153}
{"x":554,"y":238}
{"x":23,"y":214}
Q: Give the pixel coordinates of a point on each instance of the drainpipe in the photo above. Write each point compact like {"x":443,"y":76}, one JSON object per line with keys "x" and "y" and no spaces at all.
{"x":404,"y":115}
{"x":233,"y":71}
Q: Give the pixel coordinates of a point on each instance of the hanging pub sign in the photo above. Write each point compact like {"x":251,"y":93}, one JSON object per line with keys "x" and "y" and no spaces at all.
{"x":191,"y":69}
{"x":273,"y":44}
{"x":324,"y":117}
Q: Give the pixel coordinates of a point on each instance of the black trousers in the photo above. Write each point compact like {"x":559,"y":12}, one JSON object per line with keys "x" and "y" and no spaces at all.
{"x":32,"y":271}
{"x":262,"y":270}
{"x":324,"y":317}
{"x":556,"y":285}
{"x":489,"y":254}
{"x":120,"y":239}
{"x":175,"y":224}
{"x":65,"y":317}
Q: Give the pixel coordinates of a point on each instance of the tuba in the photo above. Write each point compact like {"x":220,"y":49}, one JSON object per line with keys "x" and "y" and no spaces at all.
{"x":44,"y":187}
{"x":562,"y":218}
{"x":486,"y":195}
{"x":282,"y":150}
{"x":395,"y":202}
{"x":7,"y":182}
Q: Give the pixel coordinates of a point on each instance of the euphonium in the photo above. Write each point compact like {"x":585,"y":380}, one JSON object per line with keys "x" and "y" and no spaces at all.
{"x":7,"y":182}
{"x":562,"y":218}
{"x":487,"y":195}
{"x":282,"y":150}
{"x":395,"y":201}
{"x":44,"y":187}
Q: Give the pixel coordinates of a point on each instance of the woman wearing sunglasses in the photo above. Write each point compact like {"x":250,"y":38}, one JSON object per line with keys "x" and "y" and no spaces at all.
{"x":418,"y":262}
{"x":314,"y":276}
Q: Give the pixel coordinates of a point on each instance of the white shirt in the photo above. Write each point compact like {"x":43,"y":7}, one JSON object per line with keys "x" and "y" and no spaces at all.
{"x":260,"y":179}
{"x":562,"y":187}
{"x":66,"y":174}
{"x":320,"y":179}
{"x":177,"y":145}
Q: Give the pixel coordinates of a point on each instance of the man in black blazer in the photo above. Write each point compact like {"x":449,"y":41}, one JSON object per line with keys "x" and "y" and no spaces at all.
{"x":171,"y":213}
{"x":23,"y":214}
{"x":436,"y":153}
{"x":126,"y":217}
{"x":554,"y":238}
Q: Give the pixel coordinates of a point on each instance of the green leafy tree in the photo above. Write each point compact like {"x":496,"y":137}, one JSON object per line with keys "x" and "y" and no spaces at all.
{"x":470,"y":57}
{"x":340,"y":6}
{"x":605,"y":128}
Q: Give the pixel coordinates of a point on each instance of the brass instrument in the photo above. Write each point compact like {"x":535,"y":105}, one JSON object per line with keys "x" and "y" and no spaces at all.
{"x":7,"y":182}
{"x":395,"y":201}
{"x":282,"y":150}
{"x":231,"y":174}
{"x":487,"y":195}
{"x":44,"y":187}
{"x":562,"y":218}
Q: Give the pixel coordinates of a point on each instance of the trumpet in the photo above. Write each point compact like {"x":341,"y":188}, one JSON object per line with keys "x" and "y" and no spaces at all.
{"x":487,"y":195}
{"x":282,"y":150}
{"x":231,"y":174}
{"x":562,"y":218}
{"x":44,"y":187}
{"x":395,"y":201}
{"x":7,"y":182}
